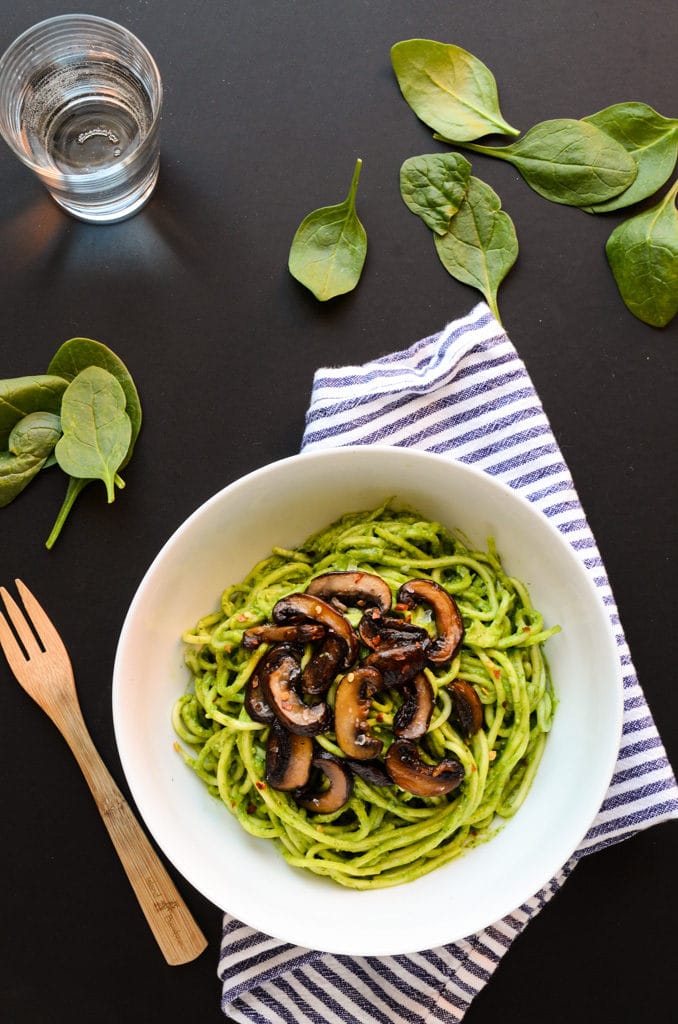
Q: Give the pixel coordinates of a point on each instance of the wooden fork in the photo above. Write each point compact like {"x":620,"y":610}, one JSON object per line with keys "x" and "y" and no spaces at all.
{"x":45,"y":673}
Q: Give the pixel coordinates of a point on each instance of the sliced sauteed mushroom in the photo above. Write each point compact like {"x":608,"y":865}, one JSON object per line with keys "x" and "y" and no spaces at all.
{"x":468,"y":709}
{"x":449,"y":625}
{"x":321,"y":670}
{"x":281,"y":674}
{"x":370,"y":771}
{"x":298,"y":633}
{"x":351,"y":708}
{"x":352,"y":588}
{"x":406,"y":768}
{"x":379,"y":631}
{"x":296,"y":607}
{"x":288,"y":758}
{"x":257,"y":698}
{"x":413,"y":718}
{"x":398,"y":664}
{"x":324,"y":800}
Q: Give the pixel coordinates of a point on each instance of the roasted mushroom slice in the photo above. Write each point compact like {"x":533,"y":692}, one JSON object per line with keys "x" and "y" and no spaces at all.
{"x":298,"y":633}
{"x":320,"y":672}
{"x":370,"y":771}
{"x":468,"y":709}
{"x":449,"y":624}
{"x":296,"y":607}
{"x":281,"y":674}
{"x":379,"y":631}
{"x":351,"y":708}
{"x":324,"y":800}
{"x":398,"y":664}
{"x":357,"y":589}
{"x":406,"y":768}
{"x":257,"y":698}
{"x":413,"y":718}
{"x":288,"y":758}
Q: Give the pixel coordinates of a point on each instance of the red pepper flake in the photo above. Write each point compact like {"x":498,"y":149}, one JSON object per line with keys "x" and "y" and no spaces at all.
{"x":228,"y":648}
{"x":380,"y":717}
{"x":242,"y":617}
{"x":251,"y":808}
{"x":260,"y":785}
{"x":400,"y":607}
{"x":496,"y":673}
{"x":232,"y":803}
{"x":527,"y":629}
{"x":473,"y":768}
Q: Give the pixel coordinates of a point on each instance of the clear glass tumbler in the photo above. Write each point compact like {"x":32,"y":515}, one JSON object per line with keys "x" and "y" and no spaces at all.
{"x":80,"y":104}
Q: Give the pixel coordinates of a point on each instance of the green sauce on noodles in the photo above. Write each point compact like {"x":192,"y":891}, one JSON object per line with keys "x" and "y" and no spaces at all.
{"x":383,"y":836}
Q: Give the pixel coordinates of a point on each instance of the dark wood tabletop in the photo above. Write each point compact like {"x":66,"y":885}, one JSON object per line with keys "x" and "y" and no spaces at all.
{"x":267,"y":106}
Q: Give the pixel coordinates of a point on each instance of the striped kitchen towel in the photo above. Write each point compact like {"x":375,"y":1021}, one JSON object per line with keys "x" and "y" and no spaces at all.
{"x":463,"y":392}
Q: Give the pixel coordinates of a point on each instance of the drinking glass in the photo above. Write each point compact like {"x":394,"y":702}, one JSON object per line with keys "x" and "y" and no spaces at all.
{"x":80,"y":104}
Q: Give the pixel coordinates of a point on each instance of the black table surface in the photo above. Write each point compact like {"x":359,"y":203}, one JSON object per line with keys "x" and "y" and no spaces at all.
{"x":267,"y":106}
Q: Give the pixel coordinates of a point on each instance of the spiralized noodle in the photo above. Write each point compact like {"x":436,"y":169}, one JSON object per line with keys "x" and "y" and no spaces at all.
{"x":383,"y":836}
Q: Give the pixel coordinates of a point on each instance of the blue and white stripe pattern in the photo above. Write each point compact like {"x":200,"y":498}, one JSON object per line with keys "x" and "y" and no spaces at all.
{"x":463,"y":392}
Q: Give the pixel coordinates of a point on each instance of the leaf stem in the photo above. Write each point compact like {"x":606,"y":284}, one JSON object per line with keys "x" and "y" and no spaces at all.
{"x":72,"y":492}
{"x":671,"y":194}
{"x":492,"y":303}
{"x":350,"y":198}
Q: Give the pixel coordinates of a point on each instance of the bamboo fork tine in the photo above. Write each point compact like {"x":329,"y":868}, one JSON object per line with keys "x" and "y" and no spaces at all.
{"x":15,"y":656}
{"x":47,"y":676}
{"x":26,"y":635}
{"x":44,"y":627}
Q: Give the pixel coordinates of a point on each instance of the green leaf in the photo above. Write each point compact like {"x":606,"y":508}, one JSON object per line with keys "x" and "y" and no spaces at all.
{"x":20,"y":396}
{"x":329,"y":248}
{"x":567,"y":161}
{"x":433,"y":186}
{"x":643,"y":255}
{"x":30,"y":444}
{"x":652,"y":142}
{"x":449,"y":89}
{"x":77,"y":354}
{"x":96,"y":429}
{"x":481,"y":246}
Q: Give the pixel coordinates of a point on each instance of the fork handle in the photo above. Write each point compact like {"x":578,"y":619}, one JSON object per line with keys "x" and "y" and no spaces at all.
{"x":175,"y":930}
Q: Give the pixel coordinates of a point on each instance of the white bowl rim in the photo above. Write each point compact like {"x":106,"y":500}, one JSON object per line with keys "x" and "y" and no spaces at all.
{"x":294,"y":930}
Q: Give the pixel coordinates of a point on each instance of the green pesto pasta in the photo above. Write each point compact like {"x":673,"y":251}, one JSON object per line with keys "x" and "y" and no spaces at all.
{"x":384,"y":835}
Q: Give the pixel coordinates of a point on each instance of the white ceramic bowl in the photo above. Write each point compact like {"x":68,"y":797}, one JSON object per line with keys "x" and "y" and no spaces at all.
{"x":282,"y":504}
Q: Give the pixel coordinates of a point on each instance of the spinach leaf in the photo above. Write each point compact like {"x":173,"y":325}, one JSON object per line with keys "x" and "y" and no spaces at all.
{"x":20,"y":396}
{"x":651,"y":140}
{"x":329,"y":248}
{"x":481,"y":246}
{"x":96,"y":429}
{"x":567,"y":161}
{"x":30,"y":444}
{"x":643,"y":255}
{"x":75,"y":355}
{"x":433,"y":187}
{"x":449,"y":89}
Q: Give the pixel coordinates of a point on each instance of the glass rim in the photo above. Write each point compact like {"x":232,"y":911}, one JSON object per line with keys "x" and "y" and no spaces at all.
{"x":156,"y":101}
{"x":74,"y":16}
